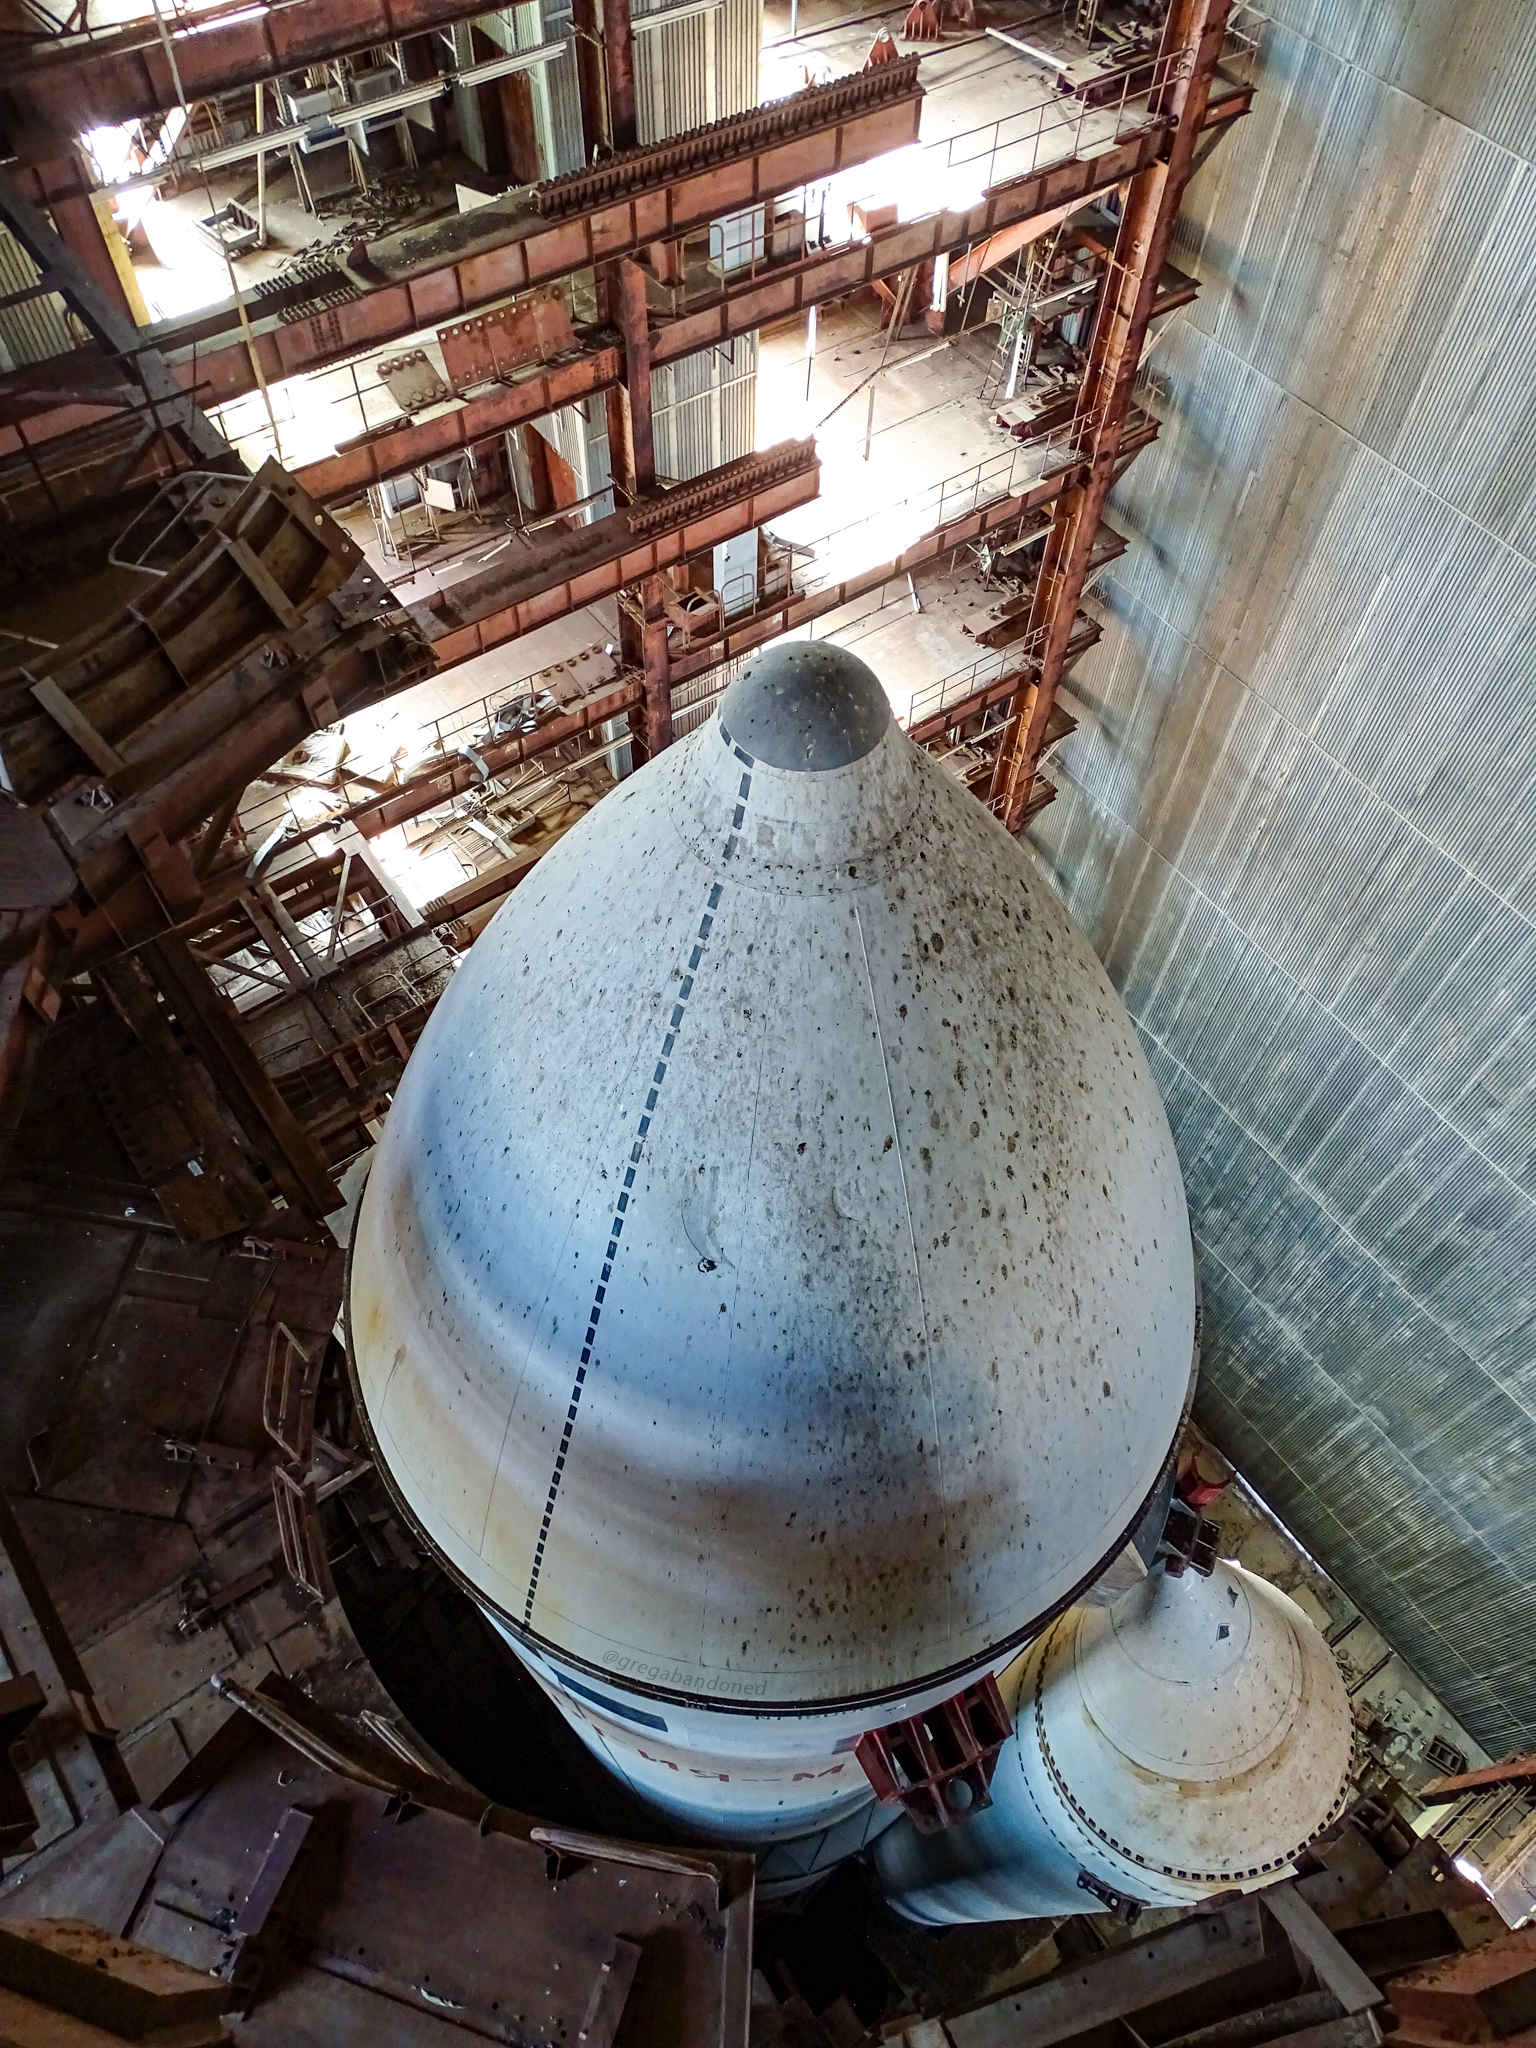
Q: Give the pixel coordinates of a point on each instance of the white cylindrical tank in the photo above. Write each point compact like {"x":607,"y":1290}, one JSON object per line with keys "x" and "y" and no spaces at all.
{"x":773,"y":1295}
{"x":1189,"y":1740}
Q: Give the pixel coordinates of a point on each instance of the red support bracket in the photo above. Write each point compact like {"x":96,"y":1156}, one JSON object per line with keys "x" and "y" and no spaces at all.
{"x":938,"y":1765}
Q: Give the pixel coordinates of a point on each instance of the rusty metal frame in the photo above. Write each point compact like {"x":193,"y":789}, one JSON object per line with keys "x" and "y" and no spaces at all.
{"x":921,"y":1763}
{"x":1126,"y":304}
{"x":655,"y":533}
{"x":784,"y":615}
{"x":605,"y":216}
{"x":288,"y":1391}
{"x":737,"y":309}
{"x":172,"y":408}
{"x":657,"y":194}
{"x":124,"y":75}
{"x":125,"y":699}
{"x":302,"y":1481}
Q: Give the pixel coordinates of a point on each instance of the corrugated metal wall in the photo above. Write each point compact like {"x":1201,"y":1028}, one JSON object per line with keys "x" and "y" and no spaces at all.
{"x":1298,"y":817}
{"x":564,"y":100}
{"x":35,"y":329}
{"x":703,"y":414}
{"x":697,"y":69}
{"x":687,"y":72}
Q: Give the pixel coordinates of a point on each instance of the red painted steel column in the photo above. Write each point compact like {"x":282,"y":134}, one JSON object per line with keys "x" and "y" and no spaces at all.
{"x":644,"y":642}
{"x":619,"y":49}
{"x":122,"y":74}
{"x":591,"y":78}
{"x":61,"y":187}
{"x":651,"y":720}
{"x":635,"y":326}
{"x":1191,"y":46}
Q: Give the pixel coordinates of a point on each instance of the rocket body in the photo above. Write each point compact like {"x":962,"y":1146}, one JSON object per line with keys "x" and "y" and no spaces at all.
{"x":1188,"y":1740}
{"x":773,"y":1296}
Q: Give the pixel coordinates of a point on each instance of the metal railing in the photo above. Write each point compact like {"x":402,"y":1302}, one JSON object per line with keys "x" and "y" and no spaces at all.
{"x":1056,"y":112}
{"x":1023,"y":132}
{"x":1009,"y":472}
{"x":962,"y":683}
{"x":455,"y":735}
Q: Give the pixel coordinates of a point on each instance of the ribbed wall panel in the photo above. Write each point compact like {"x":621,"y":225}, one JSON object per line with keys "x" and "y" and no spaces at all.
{"x":36,"y":329}
{"x":702,"y":409}
{"x":698,"y":69}
{"x":1477,"y":64}
{"x":687,"y":73}
{"x":565,"y":111}
{"x":1299,"y":814}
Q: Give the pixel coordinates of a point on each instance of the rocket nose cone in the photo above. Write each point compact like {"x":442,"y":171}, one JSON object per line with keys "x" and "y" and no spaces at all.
{"x":806,"y":707}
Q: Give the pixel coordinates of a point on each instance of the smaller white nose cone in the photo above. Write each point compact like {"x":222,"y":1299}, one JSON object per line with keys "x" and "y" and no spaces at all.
{"x":1191,"y":1739}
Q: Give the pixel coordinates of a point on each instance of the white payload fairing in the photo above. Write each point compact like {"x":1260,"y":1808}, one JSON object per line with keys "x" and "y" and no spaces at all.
{"x":773,"y":1296}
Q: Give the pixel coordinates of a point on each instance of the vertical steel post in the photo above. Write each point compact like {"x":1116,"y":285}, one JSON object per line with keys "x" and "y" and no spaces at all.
{"x":634,"y":325}
{"x":1191,"y":47}
{"x":261,"y":169}
{"x":591,"y":81}
{"x":619,"y":53}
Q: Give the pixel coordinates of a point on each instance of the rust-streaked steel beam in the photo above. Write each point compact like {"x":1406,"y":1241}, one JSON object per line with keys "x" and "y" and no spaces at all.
{"x":126,"y":74}
{"x":409,"y":443}
{"x":170,"y":407}
{"x":591,"y":78}
{"x":1192,"y":42}
{"x":29,"y":1002}
{"x":562,"y":572}
{"x":1036,"y":201}
{"x":616,"y":208}
{"x":1021,"y":207}
{"x":1039,"y":198}
{"x":212,"y":358}
{"x":358,"y":664}
{"x":453,"y":777}
{"x":924,"y":731}
{"x":1513,"y":1770}
{"x":619,"y":58}
{"x":363,"y":661}
{"x":1031,"y":204}
{"x":62,"y":189}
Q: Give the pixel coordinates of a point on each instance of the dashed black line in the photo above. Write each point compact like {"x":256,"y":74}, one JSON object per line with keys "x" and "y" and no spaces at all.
{"x":621,"y":1206}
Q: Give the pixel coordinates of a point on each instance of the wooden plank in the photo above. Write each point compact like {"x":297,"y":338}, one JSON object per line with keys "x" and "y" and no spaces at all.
{"x":1336,"y":1970}
{"x":1087,"y":1995}
{"x":1510,"y":1772}
{"x":98,"y":750}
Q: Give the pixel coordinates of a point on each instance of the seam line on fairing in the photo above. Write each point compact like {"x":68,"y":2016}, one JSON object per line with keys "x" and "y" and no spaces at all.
{"x":616,"y":1227}
{"x":917,"y":1269}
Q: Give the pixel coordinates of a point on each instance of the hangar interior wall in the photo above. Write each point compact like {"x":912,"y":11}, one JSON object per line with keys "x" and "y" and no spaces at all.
{"x":1297,"y":818}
